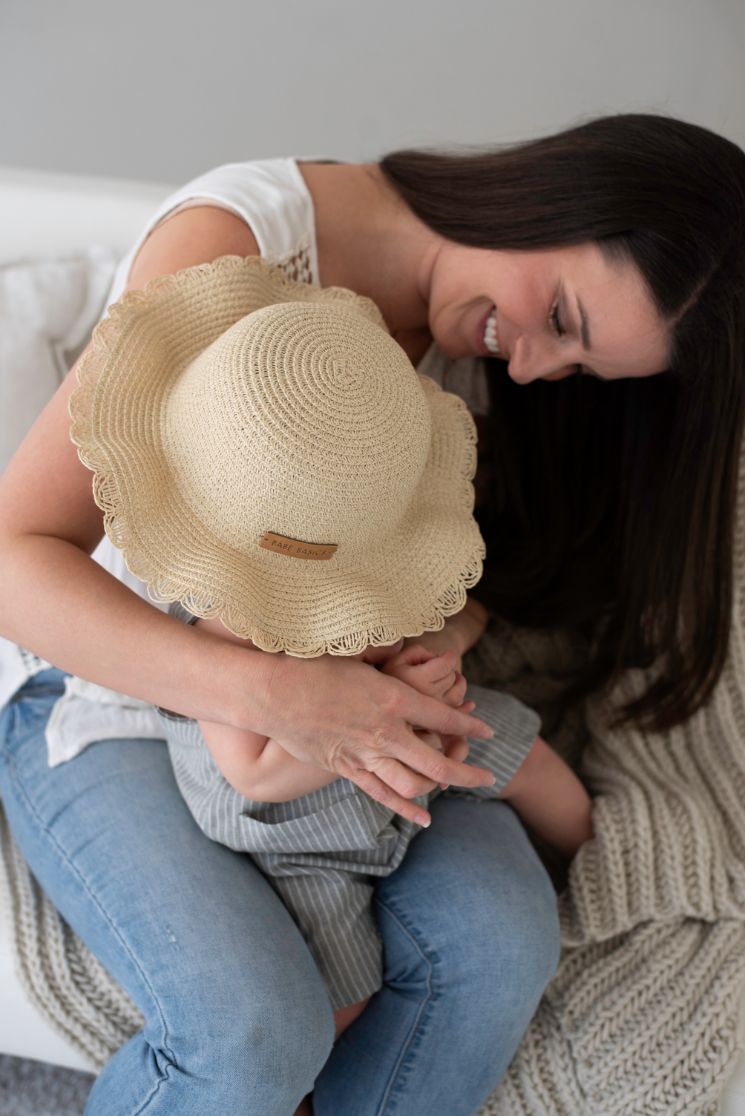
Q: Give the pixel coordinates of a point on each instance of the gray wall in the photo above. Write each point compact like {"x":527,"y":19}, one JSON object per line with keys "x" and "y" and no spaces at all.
{"x":163,"y":89}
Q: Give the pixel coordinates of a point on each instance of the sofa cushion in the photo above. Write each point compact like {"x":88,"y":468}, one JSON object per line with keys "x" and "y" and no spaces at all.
{"x":48,"y":309}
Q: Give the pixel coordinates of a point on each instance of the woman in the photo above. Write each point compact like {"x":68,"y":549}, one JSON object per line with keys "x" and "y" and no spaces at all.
{"x":615,"y":248}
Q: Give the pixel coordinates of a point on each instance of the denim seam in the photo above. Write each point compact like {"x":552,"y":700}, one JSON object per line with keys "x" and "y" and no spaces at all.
{"x":404,"y":1059}
{"x":86,"y":887}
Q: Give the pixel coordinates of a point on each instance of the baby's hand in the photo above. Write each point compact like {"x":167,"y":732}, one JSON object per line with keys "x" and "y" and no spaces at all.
{"x":436,"y":676}
{"x":428,"y":673}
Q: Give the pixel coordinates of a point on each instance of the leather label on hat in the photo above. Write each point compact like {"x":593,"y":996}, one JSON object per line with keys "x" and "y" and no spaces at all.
{"x":294,"y":548}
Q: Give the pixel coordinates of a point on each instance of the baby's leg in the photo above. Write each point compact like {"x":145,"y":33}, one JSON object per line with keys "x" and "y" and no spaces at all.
{"x":342,"y":1019}
{"x":346,"y":1015}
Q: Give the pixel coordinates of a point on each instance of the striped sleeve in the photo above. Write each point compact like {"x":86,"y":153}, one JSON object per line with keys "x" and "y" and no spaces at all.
{"x":515,"y":728}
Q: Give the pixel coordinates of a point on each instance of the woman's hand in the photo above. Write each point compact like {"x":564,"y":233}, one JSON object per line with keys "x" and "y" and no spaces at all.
{"x":438,"y":674}
{"x":458,"y":635}
{"x":355,"y":721}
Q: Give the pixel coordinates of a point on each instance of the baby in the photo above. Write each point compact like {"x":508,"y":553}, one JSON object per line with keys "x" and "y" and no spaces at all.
{"x":544,"y":791}
{"x":346,"y":480}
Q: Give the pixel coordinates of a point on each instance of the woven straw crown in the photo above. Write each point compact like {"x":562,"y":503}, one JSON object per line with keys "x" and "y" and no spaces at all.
{"x":264,"y":452}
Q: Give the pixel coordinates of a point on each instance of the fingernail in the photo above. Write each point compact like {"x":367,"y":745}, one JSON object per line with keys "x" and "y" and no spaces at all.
{"x":444,"y":786}
{"x":424,"y":821}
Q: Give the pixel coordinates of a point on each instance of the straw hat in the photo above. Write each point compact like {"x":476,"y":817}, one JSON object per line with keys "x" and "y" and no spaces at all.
{"x":265,"y":453}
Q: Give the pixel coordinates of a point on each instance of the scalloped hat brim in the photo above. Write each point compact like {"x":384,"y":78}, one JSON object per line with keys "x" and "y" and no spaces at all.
{"x":407,"y":586}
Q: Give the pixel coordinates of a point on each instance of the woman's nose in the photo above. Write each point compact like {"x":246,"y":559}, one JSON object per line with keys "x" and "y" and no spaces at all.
{"x":537,"y":360}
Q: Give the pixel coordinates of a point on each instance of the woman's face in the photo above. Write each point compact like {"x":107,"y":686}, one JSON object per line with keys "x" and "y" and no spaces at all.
{"x":549,"y":312}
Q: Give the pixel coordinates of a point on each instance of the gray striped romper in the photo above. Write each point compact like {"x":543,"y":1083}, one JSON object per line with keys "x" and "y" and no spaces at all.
{"x":322,"y":852}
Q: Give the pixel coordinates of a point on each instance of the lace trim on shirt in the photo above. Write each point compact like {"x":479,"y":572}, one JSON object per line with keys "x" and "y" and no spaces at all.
{"x":296,"y":264}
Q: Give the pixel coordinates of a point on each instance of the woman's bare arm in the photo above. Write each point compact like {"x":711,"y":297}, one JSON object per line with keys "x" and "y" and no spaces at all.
{"x":53,"y":598}
{"x":254,"y":765}
{"x":56,"y":601}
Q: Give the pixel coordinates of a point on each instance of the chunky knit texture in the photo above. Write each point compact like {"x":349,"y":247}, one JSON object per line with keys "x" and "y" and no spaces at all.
{"x":641,"y":1018}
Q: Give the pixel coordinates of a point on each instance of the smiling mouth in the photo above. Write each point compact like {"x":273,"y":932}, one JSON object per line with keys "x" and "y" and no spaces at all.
{"x":491,"y":338}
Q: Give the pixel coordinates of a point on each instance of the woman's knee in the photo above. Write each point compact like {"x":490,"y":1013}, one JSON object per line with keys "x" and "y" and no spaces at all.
{"x":287,"y":1041}
{"x":254,"y":1053}
{"x":247,"y":1055}
{"x":486,"y":931}
{"x":508,"y":945}
{"x":503,"y":952}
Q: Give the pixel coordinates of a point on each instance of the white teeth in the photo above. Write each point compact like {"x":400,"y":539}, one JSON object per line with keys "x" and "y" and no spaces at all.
{"x":491,"y":340}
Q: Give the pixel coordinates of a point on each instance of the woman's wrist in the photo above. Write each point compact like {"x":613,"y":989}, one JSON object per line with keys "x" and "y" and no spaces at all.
{"x":236,"y":680}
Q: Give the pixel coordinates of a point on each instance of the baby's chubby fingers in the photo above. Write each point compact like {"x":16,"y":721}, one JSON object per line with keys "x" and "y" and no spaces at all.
{"x":434,"y":676}
{"x":457,"y":692}
{"x":412,"y":655}
{"x":439,"y":668}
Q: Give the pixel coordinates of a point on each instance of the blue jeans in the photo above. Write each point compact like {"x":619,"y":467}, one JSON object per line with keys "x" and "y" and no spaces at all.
{"x":237,"y":1020}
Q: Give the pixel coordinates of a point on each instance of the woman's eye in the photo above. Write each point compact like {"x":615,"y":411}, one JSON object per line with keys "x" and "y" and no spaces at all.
{"x":553,"y":318}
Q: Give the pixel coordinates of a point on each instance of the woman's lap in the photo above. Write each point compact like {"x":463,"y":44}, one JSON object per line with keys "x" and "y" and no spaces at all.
{"x":191,"y":930}
{"x":204,"y":947}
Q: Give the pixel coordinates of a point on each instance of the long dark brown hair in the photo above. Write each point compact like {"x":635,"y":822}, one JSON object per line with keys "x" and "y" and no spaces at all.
{"x":613,"y":503}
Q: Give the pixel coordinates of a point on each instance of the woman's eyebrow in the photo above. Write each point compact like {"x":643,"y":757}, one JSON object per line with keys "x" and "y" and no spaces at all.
{"x":585,"y":327}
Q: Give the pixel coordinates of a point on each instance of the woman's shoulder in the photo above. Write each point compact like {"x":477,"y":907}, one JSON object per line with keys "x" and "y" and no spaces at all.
{"x":259,"y":207}
{"x":199,"y":234}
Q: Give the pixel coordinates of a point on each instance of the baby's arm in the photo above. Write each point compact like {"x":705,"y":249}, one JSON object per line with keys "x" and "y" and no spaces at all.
{"x":460,"y":632}
{"x":256,"y":766}
{"x":548,"y":796}
{"x":544,"y":791}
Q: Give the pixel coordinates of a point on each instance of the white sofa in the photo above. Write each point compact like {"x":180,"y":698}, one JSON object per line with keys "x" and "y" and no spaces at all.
{"x":42,"y":217}
{"x":46,"y":216}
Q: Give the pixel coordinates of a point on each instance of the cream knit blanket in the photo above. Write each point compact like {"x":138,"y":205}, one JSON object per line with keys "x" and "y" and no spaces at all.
{"x":641,"y":1018}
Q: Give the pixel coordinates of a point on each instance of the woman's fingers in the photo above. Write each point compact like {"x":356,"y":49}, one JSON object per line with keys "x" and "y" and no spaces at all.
{"x":409,"y":763}
{"x":429,"y":713}
{"x":383,"y":793}
{"x":457,"y":691}
{"x":404,"y":768}
{"x":455,"y":748}
{"x":353,"y":720}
